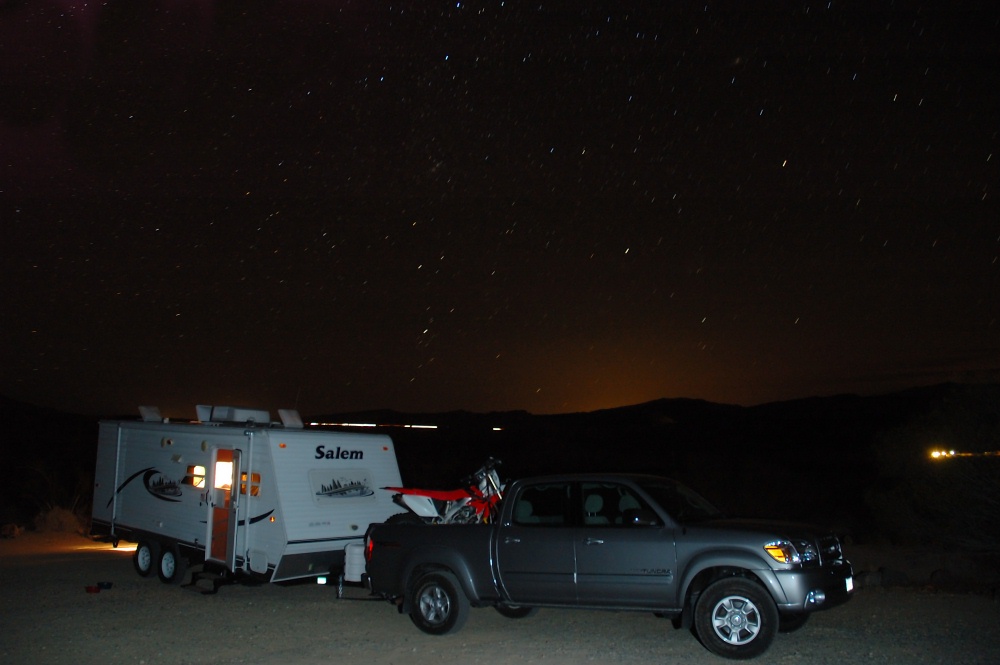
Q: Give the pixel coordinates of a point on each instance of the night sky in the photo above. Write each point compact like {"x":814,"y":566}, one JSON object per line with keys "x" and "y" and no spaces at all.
{"x":339,"y":205}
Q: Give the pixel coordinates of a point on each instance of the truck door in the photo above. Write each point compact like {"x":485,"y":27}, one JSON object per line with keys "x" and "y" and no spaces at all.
{"x":223,"y":508}
{"x":621,"y":564}
{"x":535,"y":547}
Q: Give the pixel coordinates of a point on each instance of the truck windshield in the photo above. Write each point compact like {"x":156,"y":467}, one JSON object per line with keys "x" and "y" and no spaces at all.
{"x":680,"y":502}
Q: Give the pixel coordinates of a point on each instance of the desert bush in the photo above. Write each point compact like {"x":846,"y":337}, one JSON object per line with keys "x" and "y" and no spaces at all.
{"x":59,"y":519}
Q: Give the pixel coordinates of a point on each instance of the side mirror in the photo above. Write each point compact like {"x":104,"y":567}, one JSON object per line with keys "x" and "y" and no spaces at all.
{"x":639,"y":517}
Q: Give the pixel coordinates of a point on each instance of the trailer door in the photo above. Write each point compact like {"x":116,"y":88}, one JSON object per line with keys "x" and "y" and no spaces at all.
{"x":223,"y":505}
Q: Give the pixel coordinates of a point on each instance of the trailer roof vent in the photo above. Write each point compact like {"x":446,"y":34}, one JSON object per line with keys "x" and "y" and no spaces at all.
{"x":290,"y":418}
{"x":232,"y":414}
{"x":150,"y":414}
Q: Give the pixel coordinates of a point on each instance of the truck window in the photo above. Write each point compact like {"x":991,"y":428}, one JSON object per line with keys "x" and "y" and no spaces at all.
{"x":604,"y":504}
{"x":544,"y":504}
{"x":680,"y":502}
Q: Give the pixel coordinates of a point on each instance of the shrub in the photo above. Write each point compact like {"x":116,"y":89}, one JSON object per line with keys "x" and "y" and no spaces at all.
{"x":59,"y":520}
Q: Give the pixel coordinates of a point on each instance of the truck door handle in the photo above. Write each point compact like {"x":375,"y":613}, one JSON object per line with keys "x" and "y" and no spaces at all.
{"x":508,"y":540}
{"x":593,"y":541}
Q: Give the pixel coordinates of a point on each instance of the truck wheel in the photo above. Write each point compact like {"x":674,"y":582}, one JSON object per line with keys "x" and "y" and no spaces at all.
{"x":147,"y":553}
{"x":173,"y":566}
{"x":789,"y":623}
{"x":517,"y":611}
{"x":439,"y":604}
{"x":736,"y":618}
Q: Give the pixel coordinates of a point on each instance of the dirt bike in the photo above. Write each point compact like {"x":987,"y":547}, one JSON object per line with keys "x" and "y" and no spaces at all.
{"x":474,"y":503}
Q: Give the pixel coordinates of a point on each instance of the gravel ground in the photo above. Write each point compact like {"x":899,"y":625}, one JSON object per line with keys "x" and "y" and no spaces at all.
{"x":48,"y":617}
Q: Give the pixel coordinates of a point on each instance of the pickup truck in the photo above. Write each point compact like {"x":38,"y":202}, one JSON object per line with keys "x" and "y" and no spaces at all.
{"x":615,"y":542}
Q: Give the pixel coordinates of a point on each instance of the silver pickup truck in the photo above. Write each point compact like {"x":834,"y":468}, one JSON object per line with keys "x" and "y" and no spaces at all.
{"x":616,"y":542}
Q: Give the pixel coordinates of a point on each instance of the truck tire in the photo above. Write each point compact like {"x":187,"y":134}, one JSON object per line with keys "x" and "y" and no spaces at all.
{"x":517,"y":611}
{"x":172,"y":566}
{"x":735,"y":618}
{"x":439,"y":604}
{"x":146,"y":557}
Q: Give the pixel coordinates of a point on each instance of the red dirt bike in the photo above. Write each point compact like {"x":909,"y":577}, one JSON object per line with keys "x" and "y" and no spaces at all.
{"x":473,"y":504}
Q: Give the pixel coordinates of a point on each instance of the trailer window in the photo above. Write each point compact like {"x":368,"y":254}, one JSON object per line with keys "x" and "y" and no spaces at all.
{"x":195,"y":476}
{"x":254,"y":483}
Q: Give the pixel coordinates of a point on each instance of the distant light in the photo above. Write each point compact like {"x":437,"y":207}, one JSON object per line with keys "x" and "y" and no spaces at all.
{"x":321,"y":580}
{"x":318,"y":424}
{"x":947,"y":454}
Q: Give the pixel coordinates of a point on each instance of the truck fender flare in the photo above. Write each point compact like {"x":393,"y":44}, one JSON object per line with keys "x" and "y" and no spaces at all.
{"x":429,"y":558}
{"x":735,"y":563}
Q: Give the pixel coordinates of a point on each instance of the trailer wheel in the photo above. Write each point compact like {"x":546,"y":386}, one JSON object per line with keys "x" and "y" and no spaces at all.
{"x":173,"y":566}
{"x":439,"y":604}
{"x":146,"y":556}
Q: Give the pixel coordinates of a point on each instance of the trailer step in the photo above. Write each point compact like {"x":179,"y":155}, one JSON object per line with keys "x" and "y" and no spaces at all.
{"x":207,"y":582}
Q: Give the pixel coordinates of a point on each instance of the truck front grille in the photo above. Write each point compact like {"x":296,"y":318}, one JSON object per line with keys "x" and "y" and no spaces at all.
{"x":829,"y":549}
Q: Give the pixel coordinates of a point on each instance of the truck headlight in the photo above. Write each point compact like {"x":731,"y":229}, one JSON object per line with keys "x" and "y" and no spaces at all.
{"x":807,"y":551}
{"x":783,"y":551}
{"x":792,"y":551}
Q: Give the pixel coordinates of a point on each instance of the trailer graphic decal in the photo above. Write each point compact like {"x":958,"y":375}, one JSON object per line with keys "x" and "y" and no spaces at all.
{"x":346,"y":484}
{"x":349,"y":488}
{"x":160,"y":487}
{"x":155,"y":483}
{"x":253,"y":520}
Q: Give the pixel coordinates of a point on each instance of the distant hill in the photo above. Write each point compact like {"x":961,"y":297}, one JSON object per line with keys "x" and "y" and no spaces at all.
{"x":818,"y":458}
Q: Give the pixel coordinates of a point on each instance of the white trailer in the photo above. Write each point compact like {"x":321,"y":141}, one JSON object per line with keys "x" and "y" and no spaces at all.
{"x":239,"y":493}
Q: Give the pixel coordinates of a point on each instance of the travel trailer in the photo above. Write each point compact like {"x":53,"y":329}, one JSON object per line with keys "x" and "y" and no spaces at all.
{"x":240,"y":493}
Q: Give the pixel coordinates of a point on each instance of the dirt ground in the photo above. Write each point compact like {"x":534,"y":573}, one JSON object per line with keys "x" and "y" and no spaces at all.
{"x":48,"y":616}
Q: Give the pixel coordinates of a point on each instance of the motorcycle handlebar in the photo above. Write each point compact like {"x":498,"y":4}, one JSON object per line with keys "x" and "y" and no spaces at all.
{"x":491,"y":464}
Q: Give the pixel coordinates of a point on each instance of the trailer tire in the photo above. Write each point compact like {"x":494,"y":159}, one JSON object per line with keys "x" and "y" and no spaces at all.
{"x":172,"y":566}
{"x":439,"y":604}
{"x":146,"y":557}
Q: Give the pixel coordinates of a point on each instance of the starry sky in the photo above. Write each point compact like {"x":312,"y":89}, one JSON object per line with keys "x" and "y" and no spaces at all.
{"x":339,"y":205}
